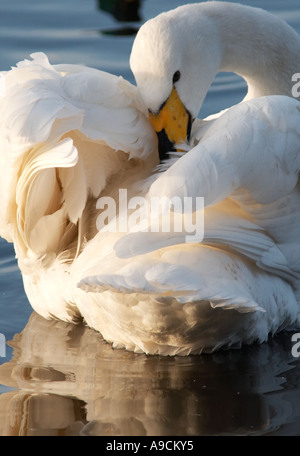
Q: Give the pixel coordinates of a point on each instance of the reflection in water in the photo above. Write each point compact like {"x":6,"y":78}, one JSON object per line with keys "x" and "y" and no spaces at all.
{"x":122,"y":11}
{"x":70,"y":382}
{"x":123,"y":31}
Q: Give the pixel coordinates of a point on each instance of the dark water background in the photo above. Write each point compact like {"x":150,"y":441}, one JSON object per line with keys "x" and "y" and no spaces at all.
{"x":59,"y":379}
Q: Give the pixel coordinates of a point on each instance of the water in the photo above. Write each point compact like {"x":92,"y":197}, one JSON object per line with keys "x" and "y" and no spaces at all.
{"x":59,"y":379}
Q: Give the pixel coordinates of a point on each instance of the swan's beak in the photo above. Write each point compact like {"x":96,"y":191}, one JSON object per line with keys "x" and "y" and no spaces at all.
{"x":172,"y":124}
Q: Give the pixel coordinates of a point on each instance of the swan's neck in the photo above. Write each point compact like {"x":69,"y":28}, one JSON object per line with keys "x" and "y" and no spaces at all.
{"x":260,"y":47}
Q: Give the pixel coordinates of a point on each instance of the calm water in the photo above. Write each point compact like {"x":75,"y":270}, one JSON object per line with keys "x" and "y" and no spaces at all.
{"x":58,"y":379}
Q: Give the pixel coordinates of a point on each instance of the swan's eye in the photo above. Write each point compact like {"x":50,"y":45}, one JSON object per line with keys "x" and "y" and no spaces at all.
{"x":176,"y":76}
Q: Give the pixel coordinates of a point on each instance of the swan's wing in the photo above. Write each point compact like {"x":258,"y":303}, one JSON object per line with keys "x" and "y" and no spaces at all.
{"x":68,"y":129}
{"x":163,"y":264}
{"x":246,"y":169}
{"x":192,"y":273}
{"x":221,"y":228}
{"x":188,"y":273}
{"x":250,"y":155}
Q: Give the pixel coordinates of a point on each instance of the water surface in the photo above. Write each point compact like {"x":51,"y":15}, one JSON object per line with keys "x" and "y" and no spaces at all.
{"x":59,"y":379}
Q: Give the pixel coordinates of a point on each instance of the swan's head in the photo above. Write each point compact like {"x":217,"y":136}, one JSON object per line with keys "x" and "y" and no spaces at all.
{"x":174,"y":59}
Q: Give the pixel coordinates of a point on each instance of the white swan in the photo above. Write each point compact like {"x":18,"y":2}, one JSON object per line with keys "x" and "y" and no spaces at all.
{"x":155,"y":292}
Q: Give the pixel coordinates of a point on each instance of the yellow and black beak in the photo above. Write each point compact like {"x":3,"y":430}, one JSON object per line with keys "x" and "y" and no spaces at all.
{"x":172,"y":124}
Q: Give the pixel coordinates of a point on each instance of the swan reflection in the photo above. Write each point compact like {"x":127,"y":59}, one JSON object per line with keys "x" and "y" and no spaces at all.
{"x":70,"y":382}
{"x":122,"y":11}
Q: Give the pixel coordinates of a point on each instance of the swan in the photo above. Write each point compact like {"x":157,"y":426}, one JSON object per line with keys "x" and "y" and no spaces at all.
{"x":72,"y":135}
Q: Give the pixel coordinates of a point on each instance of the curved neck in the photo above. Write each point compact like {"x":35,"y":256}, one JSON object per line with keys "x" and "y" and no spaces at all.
{"x":258,"y":46}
